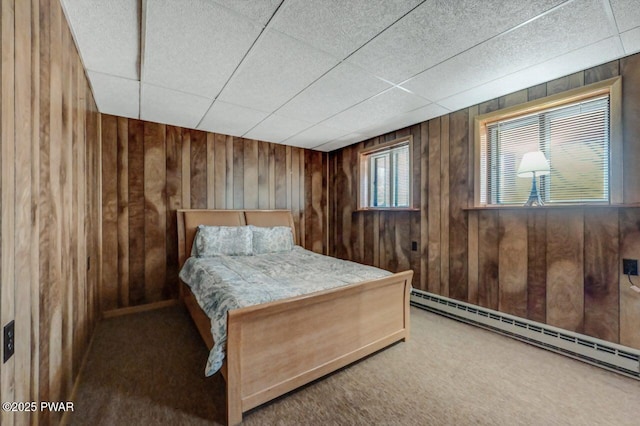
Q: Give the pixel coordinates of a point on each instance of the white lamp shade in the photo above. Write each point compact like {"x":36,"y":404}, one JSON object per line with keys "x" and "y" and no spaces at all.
{"x":533,"y":162}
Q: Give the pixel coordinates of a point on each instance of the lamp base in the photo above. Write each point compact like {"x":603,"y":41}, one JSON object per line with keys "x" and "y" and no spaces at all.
{"x":534,"y":195}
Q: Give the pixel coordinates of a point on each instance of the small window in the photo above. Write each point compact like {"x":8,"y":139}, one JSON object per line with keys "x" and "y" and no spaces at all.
{"x":385,"y":176}
{"x":578,"y":137}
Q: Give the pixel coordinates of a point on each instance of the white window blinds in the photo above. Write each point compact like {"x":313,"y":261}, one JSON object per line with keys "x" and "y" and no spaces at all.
{"x":575,"y":140}
{"x":385,"y":180}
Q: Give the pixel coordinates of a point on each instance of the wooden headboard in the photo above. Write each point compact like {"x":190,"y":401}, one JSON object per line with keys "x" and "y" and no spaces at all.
{"x":188,"y":221}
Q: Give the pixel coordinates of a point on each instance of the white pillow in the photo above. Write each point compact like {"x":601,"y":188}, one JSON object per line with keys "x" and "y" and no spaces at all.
{"x":273,"y":239}
{"x":222,"y":241}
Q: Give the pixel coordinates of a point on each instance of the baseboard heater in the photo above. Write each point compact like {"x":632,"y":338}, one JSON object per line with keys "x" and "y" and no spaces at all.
{"x":604,"y":354}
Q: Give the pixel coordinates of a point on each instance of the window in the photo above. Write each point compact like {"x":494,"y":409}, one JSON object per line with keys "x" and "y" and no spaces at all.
{"x":385,"y":175}
{"x":578,"y":133}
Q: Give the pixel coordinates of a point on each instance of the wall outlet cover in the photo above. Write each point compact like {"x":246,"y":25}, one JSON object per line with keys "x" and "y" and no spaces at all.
{"x":630,"y":266}
{"x":9,"y":339}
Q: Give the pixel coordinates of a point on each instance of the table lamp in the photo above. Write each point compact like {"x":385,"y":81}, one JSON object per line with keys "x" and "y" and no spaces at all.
{"x":533,"y":164}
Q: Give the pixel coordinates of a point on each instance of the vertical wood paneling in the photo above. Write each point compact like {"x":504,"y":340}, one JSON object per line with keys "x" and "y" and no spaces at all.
{"x":458,"y":196}
{"x":565,"y":83}
{"x":281,"y":165}
{"x":48,"y":194}
{"x":238,"y":173}
{"x":472,"y":217}
{"x":155,"y":208}
{"x":415,"y":217}
{"x":536,"y":92}
{"x":55,"y":222}
{"x":488,"y":259}
{"x":220,"y":171}
{"x":271,"y":165}
{"x":123,"y":211}
{"x":512,"y":263}
{"x":314,"y":194}
{"x":444,"y":206}
{"x":44,"y":198}
{"x":602,"y":72}
{"x":295,"y":191}
{"x":345,"y":193}
{"x":7,"y":219}
{"x":186,"y":164}
{"x":514,"y":98}
{"x":136,"y":210}
{"x":174,"y":202}
{"x":434,"y":249}
{"x":250,"y":191}
{"x":24,"y":226}
{"x":36,"y":212}
{"x":109,"y":286}
{"x":67,"y":188}
{"x":302,"y":195}
{"x":601,"y":276}
{"x":229,"y":172}
{"x":425,"y":203}
{"x":537,"y":266}
{"x":211,"y":162}
{"x":565,"y":288}
{"x":198,"y":168}
{"x":263,"y":175}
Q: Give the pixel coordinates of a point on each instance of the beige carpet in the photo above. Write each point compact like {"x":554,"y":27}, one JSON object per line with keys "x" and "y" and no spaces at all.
{"x":148,"y":369}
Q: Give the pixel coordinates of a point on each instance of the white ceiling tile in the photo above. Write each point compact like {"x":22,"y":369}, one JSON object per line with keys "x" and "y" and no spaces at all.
{"x":439,"y":29}
{"x":586,"y":57}
{"x":626,"y":13}
{"x":170,"y":107}
{"x":258,"y":11}
{"x":277,"y":128}
{"x":314,"y":136}
{"x":276,"y":69}
{"x":410,"y":118}
{"x":107,"y":34}
{"x":194,"y":45}
{"x":231,"y":119}
{"x":631,"y":41}
{"x":339,"y":89}
{"x":376,"y":109}
{"x":549,"y":36}
{"x":340,"y":142}
{"x":339,"y":27}
{"x":115,"y":95}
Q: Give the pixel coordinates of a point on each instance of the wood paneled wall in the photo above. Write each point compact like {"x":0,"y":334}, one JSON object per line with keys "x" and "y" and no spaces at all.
{"x":149,"y":170}
{"x":556,"y":266}
{"x":50,"y":206}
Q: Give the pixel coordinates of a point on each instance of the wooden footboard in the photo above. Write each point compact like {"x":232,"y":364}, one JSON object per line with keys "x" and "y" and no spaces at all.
{"x":277,"y":347}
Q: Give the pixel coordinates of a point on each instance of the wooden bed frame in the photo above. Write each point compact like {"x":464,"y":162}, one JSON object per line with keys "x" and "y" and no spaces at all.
{"x":323,"y":331}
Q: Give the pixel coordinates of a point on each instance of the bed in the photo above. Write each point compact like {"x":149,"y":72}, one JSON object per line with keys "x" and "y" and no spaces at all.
{"x":361,"y":318}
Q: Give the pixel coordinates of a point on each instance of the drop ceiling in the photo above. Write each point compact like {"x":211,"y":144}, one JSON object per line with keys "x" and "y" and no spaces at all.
{"x":323,"y":74}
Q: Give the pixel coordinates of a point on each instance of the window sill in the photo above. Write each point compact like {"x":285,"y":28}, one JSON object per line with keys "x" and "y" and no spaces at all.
{"x":388,"y":209}
{"x":555,"y":207}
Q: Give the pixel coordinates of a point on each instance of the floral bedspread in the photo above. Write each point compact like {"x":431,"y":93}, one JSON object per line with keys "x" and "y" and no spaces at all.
{"x":229,"y":282}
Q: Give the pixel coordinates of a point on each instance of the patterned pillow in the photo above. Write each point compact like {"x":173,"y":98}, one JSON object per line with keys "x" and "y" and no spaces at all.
{"x":271,"y":239}
{"x":222,"y":241}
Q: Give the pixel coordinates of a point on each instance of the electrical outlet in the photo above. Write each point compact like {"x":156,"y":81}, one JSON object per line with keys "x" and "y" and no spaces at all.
{"x":9,"y":341}
{"x":630,"y":266}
